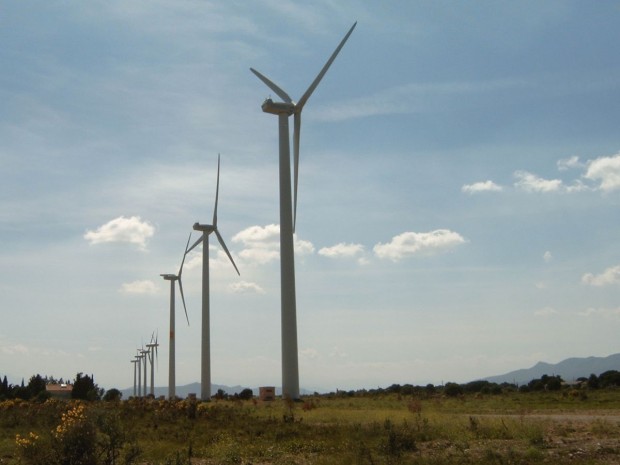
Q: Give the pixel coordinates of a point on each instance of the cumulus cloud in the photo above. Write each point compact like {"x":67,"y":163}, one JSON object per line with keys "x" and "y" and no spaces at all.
{"x":132,"y":230}
{"x":482,"y":186}
{"x":139,"y":287}
{"x":547,"y":257}
{"x":342,"y":250}
{"x":531,"y":183}
{"x":570,"y":162}
{"x":261,"y":244}
{"x":606,"y":170}
{"x":609,"y":276}
{"x":412,"y":243}
{"x":244,"y":287}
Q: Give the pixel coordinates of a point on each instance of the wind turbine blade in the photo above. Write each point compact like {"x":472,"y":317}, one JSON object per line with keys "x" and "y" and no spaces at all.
{"x":308,"y":93}
{"x":273,"y":86}
{"x":184,"y":255}
{"x":219,"y":238}
{"x":200,"y":239}
{"x":217,"y":192}
{"x":183,"y":298}
{"x":296,"y":135}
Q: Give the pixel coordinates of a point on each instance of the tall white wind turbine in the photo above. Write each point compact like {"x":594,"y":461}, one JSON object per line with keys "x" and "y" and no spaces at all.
{"x":171,"y":354}
{"x":288,"y":216}
{"x":207,"y":229}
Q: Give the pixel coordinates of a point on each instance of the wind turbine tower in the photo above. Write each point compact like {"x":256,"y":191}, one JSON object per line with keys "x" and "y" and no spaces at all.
{"x":171,"y":354}
{"x":288,"y":216}
{"x":139,"y":364}
{"x":152,"y":353}
{"x":207,"y":229}
{"x":134,"y":376}
{"x":143,"y":355}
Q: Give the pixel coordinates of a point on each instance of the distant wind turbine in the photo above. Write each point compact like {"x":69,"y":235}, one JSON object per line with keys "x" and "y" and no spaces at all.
{"x":144,"y":353}
{"x":171,"y":354}
{"x":139,"y":364}
{"x":134,"y":376}
{"x":207,"y":229}
{"x":290,"y":367}
{"x":152,"y":353}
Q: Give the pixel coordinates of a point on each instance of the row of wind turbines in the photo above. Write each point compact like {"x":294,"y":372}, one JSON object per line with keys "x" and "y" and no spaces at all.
{"x":140,"y":361}
{"x":288,"y":216}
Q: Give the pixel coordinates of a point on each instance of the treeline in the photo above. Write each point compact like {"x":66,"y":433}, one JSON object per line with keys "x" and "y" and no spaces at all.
{"x":608,"y":379}
{"x":84,"y":388}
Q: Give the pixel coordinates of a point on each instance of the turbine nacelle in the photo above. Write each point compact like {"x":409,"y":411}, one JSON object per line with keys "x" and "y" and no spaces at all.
{"x":169,"y":277}
{"x":278,"y":108}
{"x":207,"y":228}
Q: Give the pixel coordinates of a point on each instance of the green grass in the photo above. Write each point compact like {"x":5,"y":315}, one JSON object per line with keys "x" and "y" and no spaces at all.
{"x":511,"y":428}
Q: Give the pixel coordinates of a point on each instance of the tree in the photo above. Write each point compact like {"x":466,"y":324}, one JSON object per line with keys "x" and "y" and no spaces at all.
{"x":246,"y":394}
{"x":36,"y":385}
{"x":453,"y":389}
{"x":113,"y":395}
{"x":84,"y":388}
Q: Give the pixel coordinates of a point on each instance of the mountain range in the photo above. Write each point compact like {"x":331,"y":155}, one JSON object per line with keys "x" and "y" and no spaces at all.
{"x":569,"y":369}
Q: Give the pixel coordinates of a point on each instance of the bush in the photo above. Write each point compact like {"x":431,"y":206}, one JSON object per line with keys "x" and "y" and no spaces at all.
{"x":453,"y":389}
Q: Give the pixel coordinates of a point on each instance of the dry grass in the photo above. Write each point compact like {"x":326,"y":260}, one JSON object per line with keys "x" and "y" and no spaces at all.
{"x":512,"y":428}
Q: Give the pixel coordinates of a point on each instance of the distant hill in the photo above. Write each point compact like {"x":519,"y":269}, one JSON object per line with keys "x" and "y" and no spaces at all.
{"x":184,"y":391}
{"x":569,"y":369}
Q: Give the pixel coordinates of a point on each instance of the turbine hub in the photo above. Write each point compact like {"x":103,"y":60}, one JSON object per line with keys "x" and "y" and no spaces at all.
{"x":278,"y":108}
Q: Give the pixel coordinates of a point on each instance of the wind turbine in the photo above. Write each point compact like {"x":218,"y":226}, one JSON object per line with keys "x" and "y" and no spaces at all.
{"x":173,"y":278}
{"x":139,"y":364}
{"x":290,"y":366}
{"x":206,"y":229}
{"x":134,"y":376}
{"x":143,"y":355}
{"x":152,"y":353}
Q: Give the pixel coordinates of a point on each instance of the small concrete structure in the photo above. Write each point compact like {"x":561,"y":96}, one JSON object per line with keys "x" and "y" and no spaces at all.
{"x":267,"y":393}
{"x":60,"y":391}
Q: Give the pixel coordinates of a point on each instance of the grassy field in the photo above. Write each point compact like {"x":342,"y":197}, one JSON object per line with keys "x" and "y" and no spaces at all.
{"x":509,"y":428}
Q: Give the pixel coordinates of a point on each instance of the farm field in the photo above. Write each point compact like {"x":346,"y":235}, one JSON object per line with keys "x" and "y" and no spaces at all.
{"x":580,"y":427}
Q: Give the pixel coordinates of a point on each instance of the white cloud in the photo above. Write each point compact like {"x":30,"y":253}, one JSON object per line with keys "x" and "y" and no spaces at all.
{"x":303,"y":247}
{"x":609,"y":276}
{"x":547,"y":257}
{"x":531,"y":183}
{"x":132,"y":230}
{"x":342,"y":250}
{"x":244,"y":287}
{"x":139,"y":287}
{"x":570,"y":162}
{"x":546,"y":311}
{"x":262,"y":244}
{"x":602,"y":312}
{"x":606,"y":170}
{"x":410,"y":243}
{"x":482,"y":186}
{"x":15,"y":349}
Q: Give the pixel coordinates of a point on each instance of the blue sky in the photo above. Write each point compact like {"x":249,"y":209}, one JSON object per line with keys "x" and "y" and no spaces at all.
{"x":458,"y":197}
